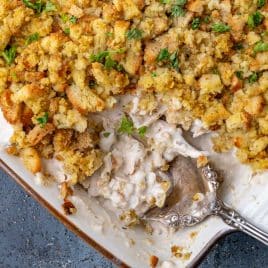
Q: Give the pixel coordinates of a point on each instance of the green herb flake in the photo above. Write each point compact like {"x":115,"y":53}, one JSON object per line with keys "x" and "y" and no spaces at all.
{"x":50,"y":7}
{"x":196,"y":23}
{"x":238,"y":46}
{"x":261,"y":3}
{"x":174,"y":62}
{"x":260,"y":47}
{"x":73,"y":19}
{"x":239,"y":74}
{"x":253,"y":78}
{"x":164,"y":1}
{"x":142,"y":131}
{"x":207,"y":19}
{"x":32,"y":38}
{"x":220,"y":27}
{"x":163,"y":55}
{"x":110,"y":63}
{"x":38,"y":5}
{"x":154,"y":74}
{"x":134,"y":33}
{"x":64,"y":18}
{"x":177,"y":11}
{"x":99,"y":57}
{"x":42,"y":120}
{"x":126,"y":126}
{"x":255,"y":19}
{"x":110,"y":34}
{"x":67,"y":31}
{"x":9,"y":54}
{"x":106,"y":134}
{"x":181,"y":2}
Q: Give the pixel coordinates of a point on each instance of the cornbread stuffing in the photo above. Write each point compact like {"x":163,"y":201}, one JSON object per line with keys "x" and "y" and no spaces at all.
{"x":65,"y":66}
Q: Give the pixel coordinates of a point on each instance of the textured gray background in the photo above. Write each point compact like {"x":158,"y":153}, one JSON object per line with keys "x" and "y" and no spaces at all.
{"x":31,"y":237}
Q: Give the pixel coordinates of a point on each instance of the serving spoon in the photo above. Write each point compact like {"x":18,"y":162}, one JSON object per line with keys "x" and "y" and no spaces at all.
{"x":194,"y":197}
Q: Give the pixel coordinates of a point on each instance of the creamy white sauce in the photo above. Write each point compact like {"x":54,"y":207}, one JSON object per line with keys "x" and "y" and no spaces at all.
{"x":131,"y":176}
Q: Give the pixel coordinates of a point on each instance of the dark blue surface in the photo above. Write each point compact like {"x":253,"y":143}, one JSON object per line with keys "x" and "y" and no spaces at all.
{"x":31,"y":237}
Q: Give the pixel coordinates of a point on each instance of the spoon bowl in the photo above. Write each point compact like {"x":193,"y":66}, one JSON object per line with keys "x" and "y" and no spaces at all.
{"x":194,"y":197}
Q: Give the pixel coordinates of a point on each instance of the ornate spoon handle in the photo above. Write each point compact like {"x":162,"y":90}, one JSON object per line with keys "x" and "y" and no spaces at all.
{"x":233,"y":219}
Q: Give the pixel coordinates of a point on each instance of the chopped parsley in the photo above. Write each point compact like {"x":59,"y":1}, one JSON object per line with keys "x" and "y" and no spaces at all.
{"x":261,"y":3}
{"x":163,"y":55}
{"x":105,"y":58}
{"x":260,"y":47}
{"x":9,"y":54}
{"x":207,"y":19}
{"x":238,"y":46}
{"x":154,"y":74}
{"x":73,"y":19}
{"x":142,"y":131}
{"x":196,"y":23}
{"x":31,"y":38}
{"x":174,"y":62}
{"x":110,"y":34}
{"x":42,"y":120}
{"x":50,"y":7}
{"x":220,"y":27}
{"x":106,"y":134}
{"x":170,"y":58}
{"x":253,"y":78}
{"x":40,"y":6}
{"x":67,"y":31}
{"x":64,"y":18}
{"x":126,"y":126}
{"x":134,"y":33}
{"x":239,"y":74}
{"x":255,"y":19}
{"x":164,"y":1}
{"x":177,"y":11}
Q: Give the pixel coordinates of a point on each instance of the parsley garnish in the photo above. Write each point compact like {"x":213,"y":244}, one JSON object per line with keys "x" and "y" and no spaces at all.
{"x":126,"y":126}
{"x":134,"y":33}
{"x":154,"y":74}
{"x":64,"y":18}
{"x":196,"y":23}
{"x":163,"y":55}
{"x":260,"y":47}
{"x":238,"y":46}
{"x":172,"y":59}
{"x":67,"y":31}
{"x":207,"y":19}
{"x":177,"y":11}
{"x":39,"y":5}
{"x":42,"y":120}
{"x":106,"y":134}
{"x":255,"y":19}
{"x":164,"y":1}
{"x":31,"y":38}
{"x":261,"y":3}
{"x":50,"y":7}
{"x":9,"y":54}
{"x":239,"y":74}
{"x":105,"y":58}
{"x":142,"y":131}
{"x":220,"y":27}
{"x":253,"y":78}
{"x":73,"y":19}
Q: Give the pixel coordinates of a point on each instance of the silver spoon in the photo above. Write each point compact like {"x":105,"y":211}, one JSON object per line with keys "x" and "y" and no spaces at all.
{"x":194,"y":197}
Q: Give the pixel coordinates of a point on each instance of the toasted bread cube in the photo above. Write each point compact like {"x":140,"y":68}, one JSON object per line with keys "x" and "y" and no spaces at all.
{"x":210,"y":84}
{"x":84,"y":100}
{"x":31,"y":159}
{"x":255,"y":105}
